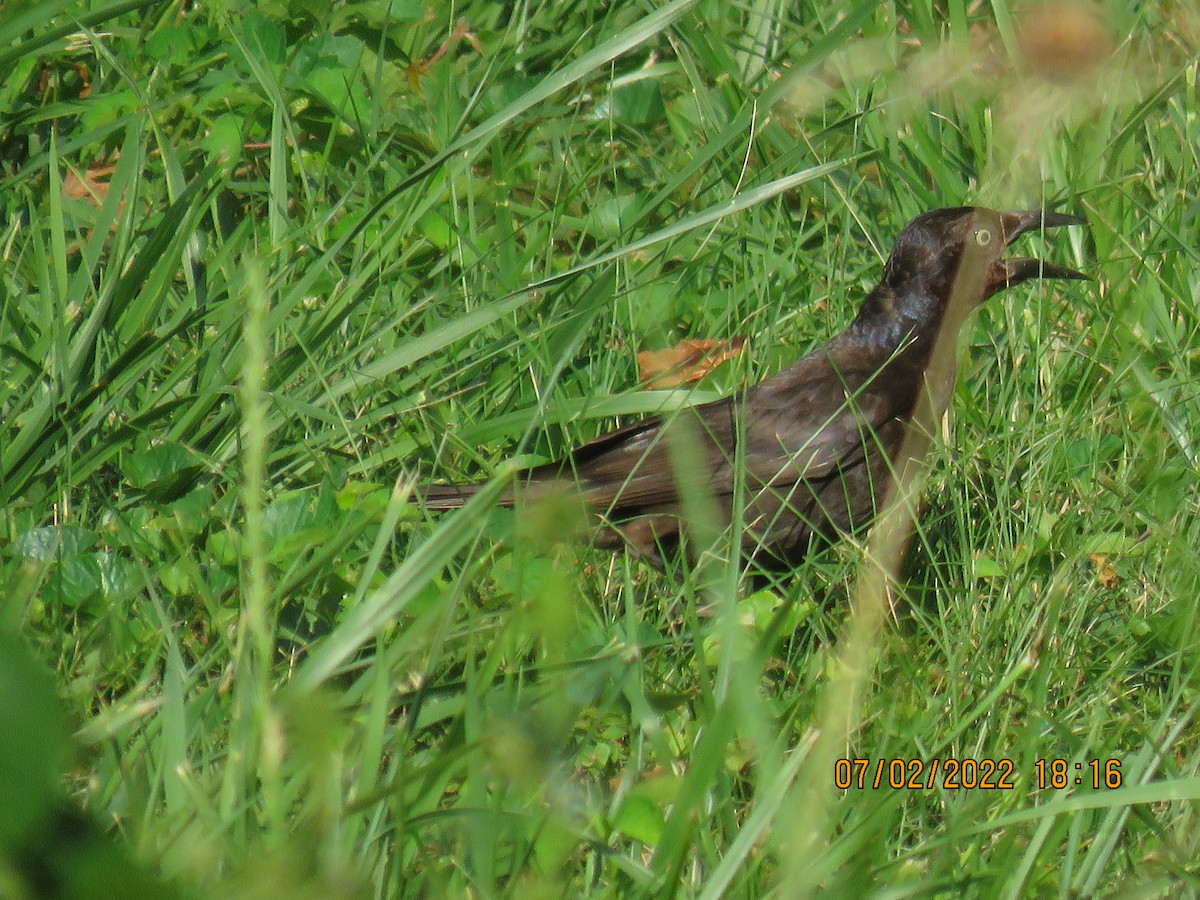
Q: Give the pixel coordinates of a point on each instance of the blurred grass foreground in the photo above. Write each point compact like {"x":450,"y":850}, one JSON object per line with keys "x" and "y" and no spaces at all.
{"x":267,"y":265}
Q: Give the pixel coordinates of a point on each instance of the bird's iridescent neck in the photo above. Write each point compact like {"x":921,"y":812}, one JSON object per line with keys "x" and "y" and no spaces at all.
{"x":891,"y":322}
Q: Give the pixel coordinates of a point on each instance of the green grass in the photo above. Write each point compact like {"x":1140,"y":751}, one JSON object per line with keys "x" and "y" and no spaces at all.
{"x":330,"y":260}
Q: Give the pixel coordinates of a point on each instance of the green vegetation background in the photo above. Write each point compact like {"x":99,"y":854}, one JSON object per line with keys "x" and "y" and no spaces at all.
{"x":266,"y":263}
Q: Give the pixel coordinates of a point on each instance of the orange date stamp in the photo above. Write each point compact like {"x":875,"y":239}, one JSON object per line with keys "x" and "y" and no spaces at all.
{"x":925,"y":774}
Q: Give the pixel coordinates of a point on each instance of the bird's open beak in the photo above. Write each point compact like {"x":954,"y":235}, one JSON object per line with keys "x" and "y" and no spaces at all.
{"x":1021,"y":268}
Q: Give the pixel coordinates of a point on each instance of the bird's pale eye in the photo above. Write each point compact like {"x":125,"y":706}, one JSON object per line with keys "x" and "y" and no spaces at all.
{"x":983,"y":237}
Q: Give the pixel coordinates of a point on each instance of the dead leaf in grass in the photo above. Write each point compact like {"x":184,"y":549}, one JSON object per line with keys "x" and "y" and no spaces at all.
{"x":93,"y":186}
{"x":1105,"y":573}
{"x":686,"y":362}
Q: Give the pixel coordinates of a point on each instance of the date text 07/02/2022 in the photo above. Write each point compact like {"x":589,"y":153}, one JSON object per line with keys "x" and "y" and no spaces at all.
{"x":971,"y":774}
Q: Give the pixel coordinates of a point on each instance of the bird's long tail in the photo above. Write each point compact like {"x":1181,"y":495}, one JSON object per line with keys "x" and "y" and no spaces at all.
{"x":454,"y":496}
{"x":444,"y":496}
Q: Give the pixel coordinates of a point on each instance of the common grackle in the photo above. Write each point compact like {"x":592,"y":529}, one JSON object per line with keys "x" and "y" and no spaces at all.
{"x":817,"y":443}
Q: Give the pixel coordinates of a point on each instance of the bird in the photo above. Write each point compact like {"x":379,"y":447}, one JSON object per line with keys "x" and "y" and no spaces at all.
{"x":815,"y":446}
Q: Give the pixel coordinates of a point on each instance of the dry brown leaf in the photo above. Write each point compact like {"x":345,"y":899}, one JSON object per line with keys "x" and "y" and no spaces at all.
{"x":89,"y":187}
{"x":686,"y":362}
{"x":86,"y":77}
{"x":1105,"y":573}
{"x":418,"y":69}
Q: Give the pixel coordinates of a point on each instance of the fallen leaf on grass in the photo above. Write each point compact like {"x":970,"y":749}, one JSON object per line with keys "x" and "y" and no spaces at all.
{"x":418,"y":69}
{"x":686,"y":362}
{"x":92,"y":186}
{"x":1105,"y":573}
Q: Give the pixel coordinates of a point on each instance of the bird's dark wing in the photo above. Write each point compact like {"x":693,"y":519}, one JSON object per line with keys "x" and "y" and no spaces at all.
{"x":799,"y":426}
{"x":630,"y":469}
{"x":794,"y":427}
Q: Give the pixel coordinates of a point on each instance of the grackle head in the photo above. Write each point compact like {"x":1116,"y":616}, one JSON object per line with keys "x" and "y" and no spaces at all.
{"x":930,"y":253}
